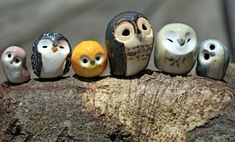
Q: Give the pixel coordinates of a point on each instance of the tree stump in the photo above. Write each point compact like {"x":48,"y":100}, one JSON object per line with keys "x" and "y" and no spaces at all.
{"x":151,"y":107}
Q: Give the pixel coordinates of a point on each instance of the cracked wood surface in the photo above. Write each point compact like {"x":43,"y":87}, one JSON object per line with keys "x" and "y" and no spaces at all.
{"x":222,"y":127}
{"x":151,"y":107}
{"x":158,"y":107}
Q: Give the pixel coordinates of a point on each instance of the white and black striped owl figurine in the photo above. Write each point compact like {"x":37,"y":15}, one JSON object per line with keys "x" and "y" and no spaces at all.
{"x":51,"y":55}
{"x":213,"y":59}
{"x":175,"y":49}
{"x":129,"y":42}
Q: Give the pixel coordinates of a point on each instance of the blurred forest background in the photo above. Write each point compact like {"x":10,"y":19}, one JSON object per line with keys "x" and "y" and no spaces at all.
{"x":22,"y":21}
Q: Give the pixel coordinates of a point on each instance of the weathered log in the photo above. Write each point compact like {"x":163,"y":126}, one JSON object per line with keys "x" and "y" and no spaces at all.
{"x":222,"y":127}
{"x":151,"y":107}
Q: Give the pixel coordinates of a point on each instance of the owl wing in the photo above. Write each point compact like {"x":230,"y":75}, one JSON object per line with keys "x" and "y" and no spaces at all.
{"x":26,"y":73}
{"x":5,"y":74}
{"x":25,"y":70}
{"x":117,"y":58}
{"x":226,"y":59}
{"x":202,"y":70}
{"x":36,"y":61}
{"x":67,"y":64}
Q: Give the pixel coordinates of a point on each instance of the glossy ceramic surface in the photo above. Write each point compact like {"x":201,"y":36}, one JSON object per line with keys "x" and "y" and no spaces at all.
{"x":213,"y":59}
{"x":129,"y":42}
{"x":51,"y":55}
{"x":14,"y":64}
{"x":89,"y":59}
{"x":175,"y":49}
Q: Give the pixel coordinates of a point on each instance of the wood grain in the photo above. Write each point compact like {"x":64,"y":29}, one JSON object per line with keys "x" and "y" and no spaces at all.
{"x":149,"y":107}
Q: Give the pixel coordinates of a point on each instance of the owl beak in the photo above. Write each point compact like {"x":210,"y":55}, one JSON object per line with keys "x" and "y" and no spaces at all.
{"x":92,"y":62}
{"x":212,"y":54}
{"x":181,"y":42}
{"x":140,"y":37}
{"x":54,"y":49}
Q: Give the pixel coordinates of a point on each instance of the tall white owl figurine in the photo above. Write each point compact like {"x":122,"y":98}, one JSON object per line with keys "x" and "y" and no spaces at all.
{"x":175,"y":49}
{"x":14,"y":64}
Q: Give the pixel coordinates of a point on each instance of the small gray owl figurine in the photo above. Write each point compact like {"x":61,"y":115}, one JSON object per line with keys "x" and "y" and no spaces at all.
{"x":129,"y":42}
{"x":14,"y":64}
{"x":51,"y":55}
{"x":213,"y":59}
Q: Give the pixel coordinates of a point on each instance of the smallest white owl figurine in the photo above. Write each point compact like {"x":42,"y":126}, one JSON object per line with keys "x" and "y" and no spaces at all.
{"x":213,"y":59}
{"x":175,"y":49}
{"x":14,"y":64}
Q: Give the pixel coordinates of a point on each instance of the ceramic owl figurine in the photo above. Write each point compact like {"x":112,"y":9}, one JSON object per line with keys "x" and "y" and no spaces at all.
{"x":129,"y":42}
{"x":89,"y":59}
{"x":14,"y":64}
{"x":213,"y":59}
{"x":51,"y":55}
{"x":175,"y":49}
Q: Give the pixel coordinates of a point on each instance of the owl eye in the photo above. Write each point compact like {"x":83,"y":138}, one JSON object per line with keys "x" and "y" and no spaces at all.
{"x":170,"y":40}
{"x":9,"y":55}
{"x":189,"y":37}
{"x":84,"y":61}
{"x":144,"y":26}
{"x":99,"y":59}
{"x":64,"y":46}
{"x":44,"y":45}
{"x":206,"y":56}
{"x":124,"y":31}
{"x":212,"y":46}
{"x":17,"y":61}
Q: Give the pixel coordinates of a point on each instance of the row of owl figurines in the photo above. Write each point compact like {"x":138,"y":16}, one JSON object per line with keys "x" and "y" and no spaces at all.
{"x":129,"y":42}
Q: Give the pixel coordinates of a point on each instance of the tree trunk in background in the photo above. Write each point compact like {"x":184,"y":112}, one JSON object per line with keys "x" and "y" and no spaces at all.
{"x":153,"y":107}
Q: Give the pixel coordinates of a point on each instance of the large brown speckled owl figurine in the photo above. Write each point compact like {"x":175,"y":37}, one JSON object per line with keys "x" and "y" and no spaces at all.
{"x":129,"y":42}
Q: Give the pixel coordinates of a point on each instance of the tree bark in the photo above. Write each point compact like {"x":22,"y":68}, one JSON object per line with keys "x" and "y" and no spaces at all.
{"x":151,"y":107}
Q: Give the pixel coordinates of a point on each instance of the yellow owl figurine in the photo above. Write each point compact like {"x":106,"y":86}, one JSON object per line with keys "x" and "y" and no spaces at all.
{"x":89,"y":59}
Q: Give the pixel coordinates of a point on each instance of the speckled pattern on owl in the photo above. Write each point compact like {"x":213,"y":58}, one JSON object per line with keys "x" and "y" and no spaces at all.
{"x":139,"y":53}
{"x":175,"y":49}
{"x":129,"y":42}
